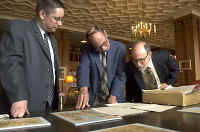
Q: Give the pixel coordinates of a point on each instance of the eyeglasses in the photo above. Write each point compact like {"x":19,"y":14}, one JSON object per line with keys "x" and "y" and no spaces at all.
{"x":141,"y":60}
{"x":104,"y":43}
{"x":100,"y":48}
{"x":59,"y":19}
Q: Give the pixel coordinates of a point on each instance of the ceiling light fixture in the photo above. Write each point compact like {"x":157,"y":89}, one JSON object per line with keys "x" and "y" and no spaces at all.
{"x":142,"y":29}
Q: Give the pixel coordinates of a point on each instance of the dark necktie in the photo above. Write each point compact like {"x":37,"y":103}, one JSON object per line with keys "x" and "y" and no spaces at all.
{"x":151,"y":79}
{"x":104,"y":82}
{"x":51,"y":85}
{"x":46,"y":44}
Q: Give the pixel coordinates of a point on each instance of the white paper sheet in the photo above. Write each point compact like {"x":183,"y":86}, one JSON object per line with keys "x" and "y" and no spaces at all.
{"x":119,"y":111}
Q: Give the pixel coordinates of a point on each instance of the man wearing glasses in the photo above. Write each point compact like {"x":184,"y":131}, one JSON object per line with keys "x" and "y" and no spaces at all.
{"x":29,"y":60}
{"x":101,"y":75}
{"x":148,"y":70}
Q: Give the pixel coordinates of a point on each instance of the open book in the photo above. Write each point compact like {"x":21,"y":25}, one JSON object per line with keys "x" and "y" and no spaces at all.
{"x":187,"y":89}
{"x":179,"y":96}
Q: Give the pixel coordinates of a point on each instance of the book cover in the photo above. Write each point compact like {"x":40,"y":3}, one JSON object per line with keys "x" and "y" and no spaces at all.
{"x":18,"y":123}
{"x":82,"y":117}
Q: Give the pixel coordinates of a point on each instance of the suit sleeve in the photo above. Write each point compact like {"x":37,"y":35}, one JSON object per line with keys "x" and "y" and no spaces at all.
{"x":12,"y":64}
{"x":118,"y":84}
{"x":173,"y":70}
{"x":83,"y":71}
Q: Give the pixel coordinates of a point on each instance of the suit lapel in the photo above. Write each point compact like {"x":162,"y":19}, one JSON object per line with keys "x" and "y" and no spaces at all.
{"x":109,"y":58}
{"x":39,"y":38}
{"x":156,"y":65}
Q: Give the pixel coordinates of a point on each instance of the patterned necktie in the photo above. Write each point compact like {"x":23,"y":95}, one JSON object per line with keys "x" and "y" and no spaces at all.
{"x":152,"y":83}
{"x":104,"y":92}
{"x":46,"y":44}
{"x":51,"y":86}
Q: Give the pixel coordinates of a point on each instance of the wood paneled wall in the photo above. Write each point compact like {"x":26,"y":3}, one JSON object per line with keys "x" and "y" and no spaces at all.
{"x":187,"y":37}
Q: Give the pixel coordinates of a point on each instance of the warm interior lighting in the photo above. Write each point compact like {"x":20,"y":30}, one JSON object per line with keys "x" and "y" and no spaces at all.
{"x":143,"y":30}
{"x":69,"y":79}
{"x":83,"y":41}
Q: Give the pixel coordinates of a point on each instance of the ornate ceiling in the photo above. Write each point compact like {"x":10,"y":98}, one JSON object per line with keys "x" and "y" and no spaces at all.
{"x":116,"y":16}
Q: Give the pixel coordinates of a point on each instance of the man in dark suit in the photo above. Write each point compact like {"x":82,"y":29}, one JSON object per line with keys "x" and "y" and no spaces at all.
{"x":29,"y":60}
{"x":148,"y":70}
{"x":91,"y":75}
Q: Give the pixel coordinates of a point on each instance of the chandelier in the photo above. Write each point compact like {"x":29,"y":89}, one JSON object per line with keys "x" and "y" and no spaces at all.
{"x":143,"y":30}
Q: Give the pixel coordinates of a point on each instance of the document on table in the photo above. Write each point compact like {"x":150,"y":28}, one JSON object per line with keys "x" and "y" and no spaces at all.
{"x":137,"y":127}
{"x":122,"y":105}
{"x":83,"y":117}
{"x":19,"y":123}
{"x":191,"y":110}
{"x":187,"y":89}
{"x":152,"y":107}
{"x":141,"y":106}
{"x":119,"y":111}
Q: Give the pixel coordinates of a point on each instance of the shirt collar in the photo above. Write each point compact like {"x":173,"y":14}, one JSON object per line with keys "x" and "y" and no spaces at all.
{"x":41,"y":30}
{"x":150,"y":64}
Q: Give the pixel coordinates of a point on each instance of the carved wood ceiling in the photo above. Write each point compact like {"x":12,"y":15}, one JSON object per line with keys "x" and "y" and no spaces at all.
{"x":116,"y":16}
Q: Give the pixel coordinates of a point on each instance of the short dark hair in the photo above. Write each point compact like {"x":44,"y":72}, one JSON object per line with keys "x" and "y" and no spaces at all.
{"x":147,"y":46}
{"x":94,"y":29}
{"x":48,"y":5}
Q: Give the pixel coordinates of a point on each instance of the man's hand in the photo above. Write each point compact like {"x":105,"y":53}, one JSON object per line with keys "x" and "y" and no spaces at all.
{"x":112,"y":99}
{"x":62,"y":94}
{"x":19,"y":109}
{"x":83,"y":98}
{"x":163,"y":86}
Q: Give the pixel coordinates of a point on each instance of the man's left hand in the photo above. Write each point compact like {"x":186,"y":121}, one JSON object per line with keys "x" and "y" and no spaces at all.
{"x":112,"y":99}
{"x":163,"y":86}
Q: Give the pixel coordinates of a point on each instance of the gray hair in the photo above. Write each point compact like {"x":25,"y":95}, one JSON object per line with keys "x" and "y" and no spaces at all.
{"x":93,"y":30}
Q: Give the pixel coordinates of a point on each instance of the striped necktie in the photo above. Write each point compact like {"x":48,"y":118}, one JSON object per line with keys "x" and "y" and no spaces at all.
{"x":51,"y":90}
{"x":152,"y":83}
{"x":104,"y":81}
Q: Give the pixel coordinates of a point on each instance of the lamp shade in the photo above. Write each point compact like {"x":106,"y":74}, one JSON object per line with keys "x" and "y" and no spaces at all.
{"x":69,"y":79}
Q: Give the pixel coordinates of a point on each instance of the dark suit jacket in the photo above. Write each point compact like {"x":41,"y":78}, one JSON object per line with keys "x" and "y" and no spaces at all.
{"x":166,"y":68}
{"x":25,"y":71}
{"x":90,"y":70}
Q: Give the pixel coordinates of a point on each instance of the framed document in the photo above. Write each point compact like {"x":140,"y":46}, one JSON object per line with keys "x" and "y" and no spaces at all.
{"x":18,"y":123}
{"x":84,"y":117}
{"x":62,"y":73}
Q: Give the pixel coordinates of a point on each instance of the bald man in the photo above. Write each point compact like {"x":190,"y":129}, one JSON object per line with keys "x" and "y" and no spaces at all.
{"x":99,"y":84}
{"x":148,"y":70}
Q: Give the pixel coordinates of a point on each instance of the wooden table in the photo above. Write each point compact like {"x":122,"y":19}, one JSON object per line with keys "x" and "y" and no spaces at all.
{"x":171,"y":119}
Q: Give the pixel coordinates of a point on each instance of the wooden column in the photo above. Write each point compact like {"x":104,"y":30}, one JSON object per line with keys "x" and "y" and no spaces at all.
{"x":187,"y":37}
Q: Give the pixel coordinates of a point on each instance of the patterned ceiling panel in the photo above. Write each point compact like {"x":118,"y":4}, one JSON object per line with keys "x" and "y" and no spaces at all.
{"x":116,"y":16}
